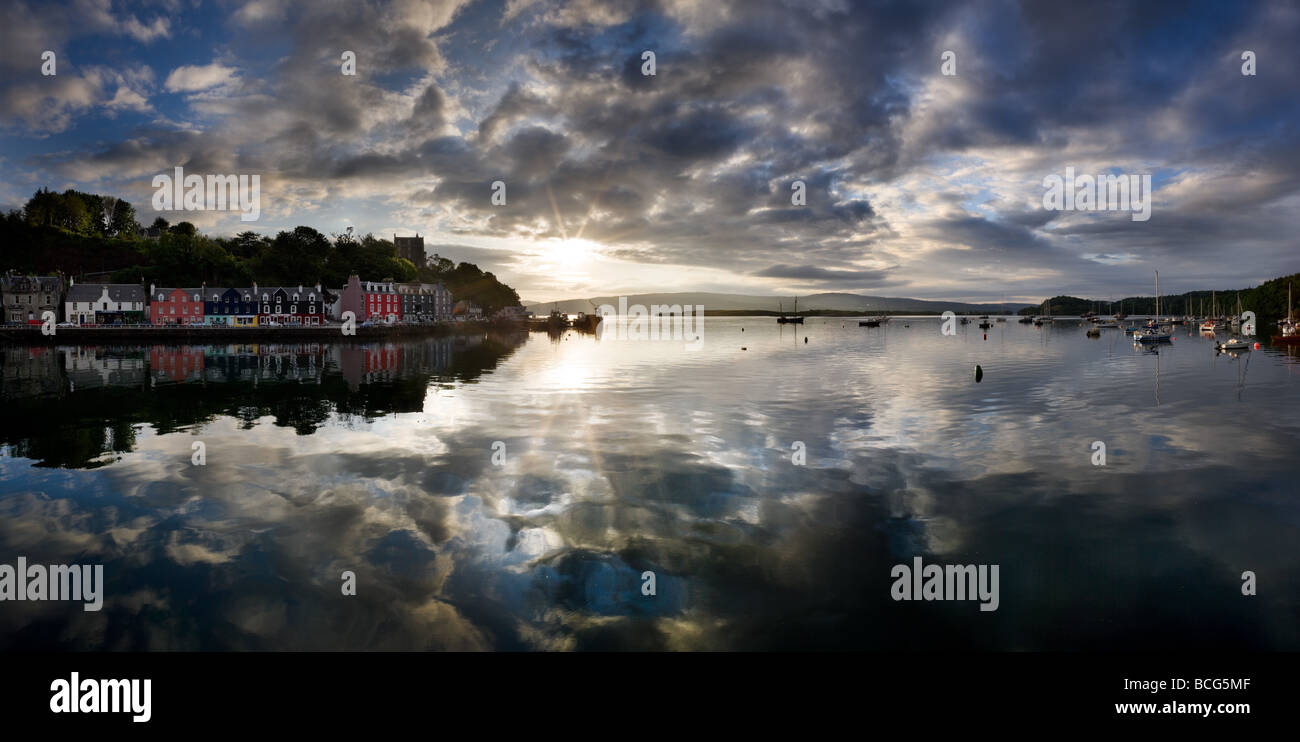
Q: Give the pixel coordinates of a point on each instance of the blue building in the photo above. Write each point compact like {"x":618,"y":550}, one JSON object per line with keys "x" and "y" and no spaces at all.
{"x":236,"y":307}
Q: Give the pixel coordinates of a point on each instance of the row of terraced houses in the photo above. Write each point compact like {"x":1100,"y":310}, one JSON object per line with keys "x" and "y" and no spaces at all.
{"x":26,"y":299}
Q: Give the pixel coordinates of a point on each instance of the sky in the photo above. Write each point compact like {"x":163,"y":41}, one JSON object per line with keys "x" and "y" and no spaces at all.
{"x":917,"y":183}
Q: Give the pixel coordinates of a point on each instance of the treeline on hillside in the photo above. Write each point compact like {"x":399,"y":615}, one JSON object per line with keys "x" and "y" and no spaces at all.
{"x":77,"y":233}
{"x":1267,"y":301}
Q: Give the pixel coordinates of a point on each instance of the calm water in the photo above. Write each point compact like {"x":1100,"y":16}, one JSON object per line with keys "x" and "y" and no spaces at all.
{"x":622,"y":457}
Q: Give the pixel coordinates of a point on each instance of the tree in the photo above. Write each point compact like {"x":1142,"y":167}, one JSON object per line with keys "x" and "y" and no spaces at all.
{"x":184,"y":228}
{"x":294,"y":257}
{"x":160,"y":224}
{"x":122,"y":221}
{"x":247,"y":245}
{"x":75,"y":217}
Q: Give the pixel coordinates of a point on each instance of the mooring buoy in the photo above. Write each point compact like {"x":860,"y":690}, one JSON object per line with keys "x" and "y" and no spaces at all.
{"x":979,"y":373}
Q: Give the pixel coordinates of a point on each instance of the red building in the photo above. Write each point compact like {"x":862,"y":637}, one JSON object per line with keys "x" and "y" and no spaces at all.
{"x":175,"y":306}
{"x":371,"y":300}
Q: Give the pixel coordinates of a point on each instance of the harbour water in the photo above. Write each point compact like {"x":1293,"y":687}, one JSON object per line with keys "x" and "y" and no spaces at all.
{"x":514,"y":492}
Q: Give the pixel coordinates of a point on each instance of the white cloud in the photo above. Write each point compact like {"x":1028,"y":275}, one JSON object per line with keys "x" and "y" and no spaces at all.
{"x":190,"y":78}
{"x":98,"y":14}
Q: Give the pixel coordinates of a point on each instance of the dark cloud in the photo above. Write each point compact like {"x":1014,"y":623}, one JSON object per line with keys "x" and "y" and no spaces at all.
{"x":837,"y":277}
{"x":694,"y":165}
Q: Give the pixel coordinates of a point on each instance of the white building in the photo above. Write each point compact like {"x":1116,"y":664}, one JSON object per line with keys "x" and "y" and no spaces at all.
{"x":104,"y":303}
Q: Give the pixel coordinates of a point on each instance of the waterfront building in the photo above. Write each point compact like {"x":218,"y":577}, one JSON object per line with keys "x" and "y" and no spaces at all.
{"x":169,"y":306}
{"x":105,"y":303}
{"x":27,"y":298}
{"x":425,"y":301}
{"x":466,"y":311}
{"x":229,"y":307}
{"x":290,"y":306}
{"x":375,"y":301}
{"x":511,"y":314}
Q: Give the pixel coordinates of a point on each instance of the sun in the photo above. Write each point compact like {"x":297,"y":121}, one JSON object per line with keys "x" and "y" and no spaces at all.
{"x":571,"y":254}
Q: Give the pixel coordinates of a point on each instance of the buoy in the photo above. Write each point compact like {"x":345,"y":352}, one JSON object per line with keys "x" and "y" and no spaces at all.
{"x":742,"y":329}
{"x":986,"y":336}
{"x":979,"y":373}
{"x":743,"y":348}
{"x":805,"y":339}
{"x":1256,"y":346}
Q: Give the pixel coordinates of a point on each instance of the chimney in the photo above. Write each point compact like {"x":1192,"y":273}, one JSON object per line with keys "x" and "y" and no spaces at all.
{"x":299,"y":289}
{"x":151,"y":290}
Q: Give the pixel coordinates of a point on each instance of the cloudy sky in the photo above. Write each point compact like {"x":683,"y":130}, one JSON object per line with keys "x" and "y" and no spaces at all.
{"x":917,"y":183}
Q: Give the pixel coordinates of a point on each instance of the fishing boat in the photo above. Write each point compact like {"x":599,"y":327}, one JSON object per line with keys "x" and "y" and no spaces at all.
{"x":794,"y":320}
{"x":985,"y":325}
{"x":1157,"y":335}
{"x":869,"y":323}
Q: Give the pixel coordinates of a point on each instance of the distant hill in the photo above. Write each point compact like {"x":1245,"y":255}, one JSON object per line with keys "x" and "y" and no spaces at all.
{"x":829,"y":302}
{"x":1267,"y":301}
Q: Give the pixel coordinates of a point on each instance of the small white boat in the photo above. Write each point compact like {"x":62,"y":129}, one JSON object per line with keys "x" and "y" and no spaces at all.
{"x":1233,"y":344}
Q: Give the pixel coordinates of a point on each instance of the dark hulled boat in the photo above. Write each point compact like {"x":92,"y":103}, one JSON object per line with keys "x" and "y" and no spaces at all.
{"x":791,"y":320}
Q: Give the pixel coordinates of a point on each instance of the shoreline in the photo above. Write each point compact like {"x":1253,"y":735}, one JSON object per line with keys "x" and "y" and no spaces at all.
{"x":31,"y":334}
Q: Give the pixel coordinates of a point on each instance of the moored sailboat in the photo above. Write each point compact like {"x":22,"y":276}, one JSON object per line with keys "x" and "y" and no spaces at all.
{"x":1158,"y":334}
{"x":1290,"y":332}
{"x":795,"y":320}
